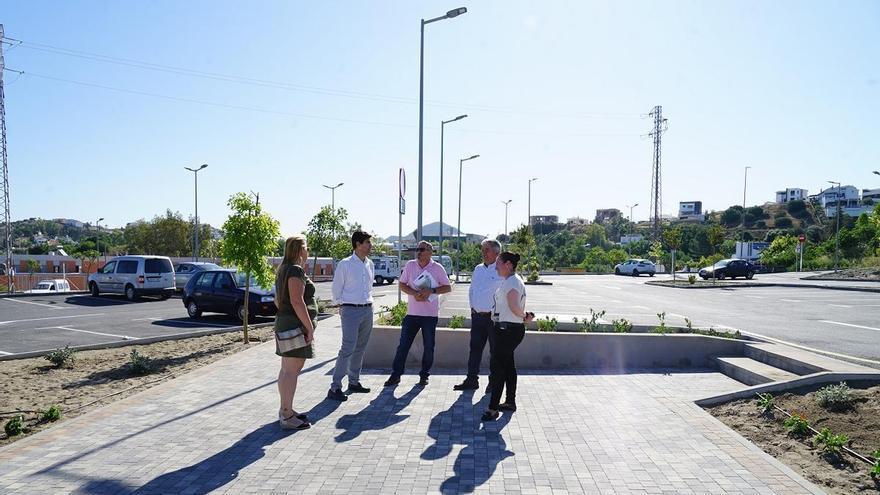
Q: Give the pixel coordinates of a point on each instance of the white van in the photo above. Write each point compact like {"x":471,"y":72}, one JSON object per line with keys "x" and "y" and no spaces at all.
{"x":134,"y":276}
{"x":385,"y":269}
{"x":444,"y":260}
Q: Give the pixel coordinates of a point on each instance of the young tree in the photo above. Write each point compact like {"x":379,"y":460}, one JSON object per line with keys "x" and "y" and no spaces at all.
{"x":250,"y":235}
{"x":326,"y":235}
{"x":715,"y":234}
{"x":672,"y":237}
{"x":32,"y":266}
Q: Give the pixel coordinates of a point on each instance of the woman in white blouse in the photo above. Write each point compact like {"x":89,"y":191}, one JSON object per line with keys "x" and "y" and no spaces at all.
{"x":510,"y":318}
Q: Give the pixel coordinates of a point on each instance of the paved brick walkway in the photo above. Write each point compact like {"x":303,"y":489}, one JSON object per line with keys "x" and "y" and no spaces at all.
{"x":214,"y":430}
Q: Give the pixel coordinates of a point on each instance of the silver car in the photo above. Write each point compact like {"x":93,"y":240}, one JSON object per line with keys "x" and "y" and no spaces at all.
{"x":635,"y":267}
{"x":185,"y":271}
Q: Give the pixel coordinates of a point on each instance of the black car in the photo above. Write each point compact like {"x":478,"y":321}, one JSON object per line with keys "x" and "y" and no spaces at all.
{"x":222,"y":291}
{"x":729,"y":268}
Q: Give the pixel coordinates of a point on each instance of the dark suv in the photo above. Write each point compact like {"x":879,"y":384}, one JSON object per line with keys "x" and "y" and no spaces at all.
{"x":222,"y":291}
{"x":729,"y":268}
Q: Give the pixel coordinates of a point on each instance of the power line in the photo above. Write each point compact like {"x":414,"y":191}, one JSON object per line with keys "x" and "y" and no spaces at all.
{"x":297,"y":87}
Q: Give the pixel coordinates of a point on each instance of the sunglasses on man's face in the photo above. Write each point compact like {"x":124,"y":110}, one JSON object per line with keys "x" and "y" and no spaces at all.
{"x":423,"y":249}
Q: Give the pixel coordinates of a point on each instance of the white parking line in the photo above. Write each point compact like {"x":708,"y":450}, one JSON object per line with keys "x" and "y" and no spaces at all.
{"x":840,"y":305}
{"x":123,"y":337}
{"x":791,"y":300}
{"x":3,"y":353}
{"x":849,"y":325}
{"x":755,"y":297}
{"x":642,"y":307}
{"x":683,"y":317}
{"x":50,"y":318}
{"x":611,"y":287}
{"x":31,"y":302}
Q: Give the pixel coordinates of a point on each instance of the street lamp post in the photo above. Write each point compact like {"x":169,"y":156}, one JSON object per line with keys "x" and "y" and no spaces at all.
{"x":529,"y":211}
{"x":442,"y":125}
{"x":506,"y":203}
{"x":629,"y":244}
{"x":332,"y":195}
{"x":98,"y":231}
{"x":449,"y":15}
{"x":195,"y":172}
{"x":745,"y":182}
{"x":458,"y":258}
{"x":837,"y":233}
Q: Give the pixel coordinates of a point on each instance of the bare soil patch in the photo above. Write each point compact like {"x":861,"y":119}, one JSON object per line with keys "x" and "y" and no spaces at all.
{"x":871,"y":274}
{"x":30,"y":386}
{"x":838,"y":475}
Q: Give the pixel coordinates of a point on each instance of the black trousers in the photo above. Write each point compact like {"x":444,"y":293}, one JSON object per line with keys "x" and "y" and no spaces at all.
{"x":501,"y":364}
{"x":481,"y":332}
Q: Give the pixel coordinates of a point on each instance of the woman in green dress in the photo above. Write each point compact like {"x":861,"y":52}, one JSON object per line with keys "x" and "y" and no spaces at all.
{"x":295,"y":299}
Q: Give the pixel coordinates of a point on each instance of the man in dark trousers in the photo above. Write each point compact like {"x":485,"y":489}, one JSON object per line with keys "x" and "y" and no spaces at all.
{"x":484,"y":282}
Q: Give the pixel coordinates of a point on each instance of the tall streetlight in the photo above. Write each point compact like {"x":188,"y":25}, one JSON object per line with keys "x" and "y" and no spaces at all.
{"x":449,"y":15}
{"x":442,"y":125}
{"x":629,"y":244}
{"x":837,"y":233}
{"x":530,"y":200}
{"x":332,"y":195}
{"x":745,"y":182}
{"x":458,"y":258}
{"x":195,"y":172}
{"x":505,"y":216}
{"x":98,"y":230}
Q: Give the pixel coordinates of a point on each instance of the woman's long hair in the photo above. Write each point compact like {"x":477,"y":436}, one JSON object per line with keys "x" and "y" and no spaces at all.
{"x":292,"y":249}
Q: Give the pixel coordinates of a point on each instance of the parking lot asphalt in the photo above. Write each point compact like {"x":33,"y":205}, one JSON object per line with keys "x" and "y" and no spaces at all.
{"x":831,"y":321}
{"x":843,"y":323}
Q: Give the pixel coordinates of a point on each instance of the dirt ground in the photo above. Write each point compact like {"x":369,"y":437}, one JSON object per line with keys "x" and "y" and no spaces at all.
{"x":837,"y":475}
{"x":850,"y":274}
{"x":30,"y":386}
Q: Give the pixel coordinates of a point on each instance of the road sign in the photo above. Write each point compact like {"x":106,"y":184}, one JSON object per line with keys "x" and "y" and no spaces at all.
{"x":802,"y":238}
{"x":402,"y":206}
{"x":402,"y":187}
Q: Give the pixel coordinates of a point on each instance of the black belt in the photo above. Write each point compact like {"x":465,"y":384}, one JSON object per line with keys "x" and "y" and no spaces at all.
{"x":487,"y":314}
{"x":357,"y":305}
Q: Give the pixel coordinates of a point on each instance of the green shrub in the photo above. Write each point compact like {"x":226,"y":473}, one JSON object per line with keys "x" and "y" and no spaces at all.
{"x":593,"y":324}
{"x":394,"y":315}
{"x":875,"y":469}
{"x":692,"y":279}
{"x":661,"y":328}
{"x":796,"y":425}
{"x":457,"y":321}
{"x":711,"y":332}
{"x":61,"y":357}
{"x":140,"y":365}
{"x":765,"y":403}
{"x":51,"y":414}
{"x":621,"y":326}
{"x":828,"y":442}
{"x":547,"y":324}
{"x":835,"y":397}
{"x":14,"y":426}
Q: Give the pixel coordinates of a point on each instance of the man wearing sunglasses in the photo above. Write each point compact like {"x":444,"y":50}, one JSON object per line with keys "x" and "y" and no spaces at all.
{"x":422,"y":280}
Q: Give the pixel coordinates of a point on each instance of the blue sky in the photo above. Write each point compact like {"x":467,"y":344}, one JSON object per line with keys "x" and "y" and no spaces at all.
{"x":326,"y":92}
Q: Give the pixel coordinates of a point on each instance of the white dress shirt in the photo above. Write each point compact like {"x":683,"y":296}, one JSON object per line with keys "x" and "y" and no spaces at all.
{"x":484,"y":282}
{"x":353,"y":281}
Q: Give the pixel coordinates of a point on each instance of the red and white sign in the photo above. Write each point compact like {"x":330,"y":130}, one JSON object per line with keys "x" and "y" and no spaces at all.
{"x":802,"y":238}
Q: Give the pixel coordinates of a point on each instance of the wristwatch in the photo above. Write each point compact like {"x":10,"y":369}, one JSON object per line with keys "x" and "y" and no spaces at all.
{"x":433,"y":290}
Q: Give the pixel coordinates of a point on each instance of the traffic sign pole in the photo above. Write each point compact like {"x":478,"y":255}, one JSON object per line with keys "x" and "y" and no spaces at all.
{"x":802,"y":239}
{"x":401,"y":211}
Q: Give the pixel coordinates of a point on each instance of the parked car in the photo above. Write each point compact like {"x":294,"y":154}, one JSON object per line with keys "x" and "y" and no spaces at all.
{"x":729,"y":268}
{"x":635,"y":267}
{"x":51,"y":286}
{"x":184,"y":271}
{"x":134,"y":276}
{"x":385,"y":269}
{"x":222,"y":291}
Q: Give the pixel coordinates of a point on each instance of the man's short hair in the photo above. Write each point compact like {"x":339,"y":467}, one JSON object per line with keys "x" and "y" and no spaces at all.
{"x":430,"y":246}
{"x":358,"y":237}
{"x":492,"y":242}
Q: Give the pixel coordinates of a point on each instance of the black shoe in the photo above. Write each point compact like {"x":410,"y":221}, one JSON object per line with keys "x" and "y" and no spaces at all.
{"x":423,"y":382}
{"x":507,"y":406}
{"x":490,"y":415}
{"x":392,"y":380}
{"x":336,"y":395}
{"x":357,"y":388}
{"x":467,"y":385}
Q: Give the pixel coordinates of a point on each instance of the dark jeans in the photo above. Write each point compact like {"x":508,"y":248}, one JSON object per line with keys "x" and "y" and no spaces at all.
{"x":481,"y":332}
{"x":408,"y":330}
{"x":502,"y":366}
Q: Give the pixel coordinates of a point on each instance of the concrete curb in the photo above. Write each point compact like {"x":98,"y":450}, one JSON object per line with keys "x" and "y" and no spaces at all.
{"x":146,"y":340}
{"x":660,"y":283}
{"x":815,"y":378}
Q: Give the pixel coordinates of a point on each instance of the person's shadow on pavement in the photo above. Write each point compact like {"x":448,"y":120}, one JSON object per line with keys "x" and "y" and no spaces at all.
{"x":379,"y":414}
{"x":207,"y":475}
{"x":458,"y":425}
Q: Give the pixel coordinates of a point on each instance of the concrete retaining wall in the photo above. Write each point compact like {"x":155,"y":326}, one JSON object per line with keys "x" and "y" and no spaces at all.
{"x":561,"y":350}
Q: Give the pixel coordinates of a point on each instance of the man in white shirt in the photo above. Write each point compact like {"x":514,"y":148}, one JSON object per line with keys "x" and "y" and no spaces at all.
{"x":353,"y":291}
{"x":484,"y":282}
